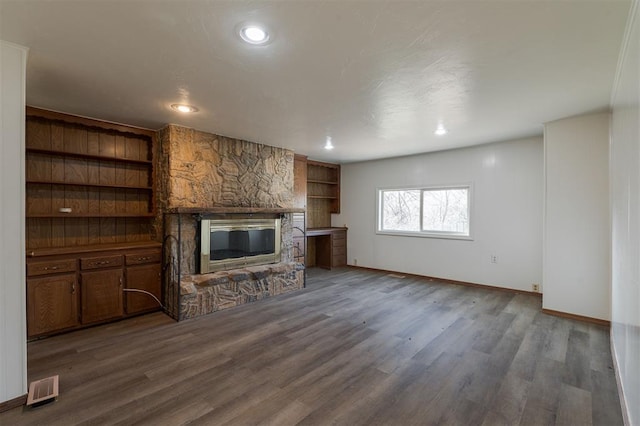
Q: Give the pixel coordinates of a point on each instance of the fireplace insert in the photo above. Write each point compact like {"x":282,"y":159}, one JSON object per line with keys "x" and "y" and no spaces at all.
{"x":235,"y":243}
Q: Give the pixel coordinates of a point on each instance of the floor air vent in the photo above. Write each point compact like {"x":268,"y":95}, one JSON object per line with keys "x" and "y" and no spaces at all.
{"x":43,"y":391}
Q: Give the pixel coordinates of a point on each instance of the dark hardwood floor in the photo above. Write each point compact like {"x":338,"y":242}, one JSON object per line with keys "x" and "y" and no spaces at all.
{"x":355,"y":347}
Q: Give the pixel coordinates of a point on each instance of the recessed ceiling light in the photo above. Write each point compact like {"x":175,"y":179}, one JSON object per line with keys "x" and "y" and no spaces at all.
{"x":184,"y":108}
{"x":329,"y":144}
{"x":253,"y":34}
{"x":440,"y":131}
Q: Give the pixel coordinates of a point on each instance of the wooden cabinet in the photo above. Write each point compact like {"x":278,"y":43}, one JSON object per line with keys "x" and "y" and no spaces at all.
{"x":140,"y":279}
{"x":73,"y":288}
{"x":51,"y":267}
{"x":323,"y":193}
{"x":52,"y":303}
{"x":101,"y":295}
{"x":323,"y":246}
{"x":327,"y":247}
{"x":338,"y":248}
{"x":300,"y":181}
{"x":90,"y":212}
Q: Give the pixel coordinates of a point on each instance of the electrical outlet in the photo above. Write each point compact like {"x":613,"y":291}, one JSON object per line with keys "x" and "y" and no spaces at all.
{"x":535,"y":288}
{"x":494,"y":258}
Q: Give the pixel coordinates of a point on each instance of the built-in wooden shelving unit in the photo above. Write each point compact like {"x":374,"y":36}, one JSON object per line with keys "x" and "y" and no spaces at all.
{"x":88,"y":182}
{"x":323,"y":193}
{"x":90,"y":209}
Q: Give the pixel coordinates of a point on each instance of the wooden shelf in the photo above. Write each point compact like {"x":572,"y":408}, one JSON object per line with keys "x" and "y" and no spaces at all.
{"x":103,"y":171}
{"x":324,"y":182}
{"x":96,"y":215}
{"x":323,"y":192}
{"x":87,"y":156}
{"x":96,"y":185}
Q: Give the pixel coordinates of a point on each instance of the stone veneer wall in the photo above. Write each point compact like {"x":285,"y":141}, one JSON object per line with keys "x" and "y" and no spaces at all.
{"x":203,"y":170}
{"x":199,"y":170}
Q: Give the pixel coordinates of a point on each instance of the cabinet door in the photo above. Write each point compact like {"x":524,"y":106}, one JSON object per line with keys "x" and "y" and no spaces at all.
{"x":52,"y":304}
{"x":145,"y":278}
{"x":101,"y":295}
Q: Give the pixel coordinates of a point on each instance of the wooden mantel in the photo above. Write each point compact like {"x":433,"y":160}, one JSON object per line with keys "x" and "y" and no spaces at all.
{"x":234,"y":210}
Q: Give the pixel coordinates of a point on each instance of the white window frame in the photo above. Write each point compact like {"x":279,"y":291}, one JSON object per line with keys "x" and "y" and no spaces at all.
{"x":426,"y":234}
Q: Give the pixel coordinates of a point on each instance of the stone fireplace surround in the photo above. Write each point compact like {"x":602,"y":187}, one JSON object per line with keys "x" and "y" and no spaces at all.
{"x":201,"y":174}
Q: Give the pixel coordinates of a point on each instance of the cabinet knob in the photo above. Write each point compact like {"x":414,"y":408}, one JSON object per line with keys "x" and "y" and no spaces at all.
{"x":73,"y":288}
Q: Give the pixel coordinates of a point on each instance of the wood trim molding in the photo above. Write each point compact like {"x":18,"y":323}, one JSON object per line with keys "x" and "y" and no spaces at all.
{"x":577,"y":317}
{"x":92,"y":248}
{"x":323,"y":164}
{"x":448,"y":281}
{"x":13,"y":403}
{"x":91,"y":122}
{"x":489,"y":287}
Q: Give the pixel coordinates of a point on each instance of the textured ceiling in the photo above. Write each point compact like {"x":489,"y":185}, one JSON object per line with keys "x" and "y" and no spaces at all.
{"x":376,"y":76}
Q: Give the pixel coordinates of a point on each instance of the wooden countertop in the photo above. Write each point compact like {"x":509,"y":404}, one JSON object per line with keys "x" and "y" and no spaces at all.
{"x":91,"y":248}
{"x":312,"y":232}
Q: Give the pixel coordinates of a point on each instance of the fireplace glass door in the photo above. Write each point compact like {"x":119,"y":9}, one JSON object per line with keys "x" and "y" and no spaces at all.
{"x":229,"y":244}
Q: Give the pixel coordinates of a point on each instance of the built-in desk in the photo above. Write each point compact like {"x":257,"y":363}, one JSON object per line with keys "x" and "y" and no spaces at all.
{"x":326,"y":247}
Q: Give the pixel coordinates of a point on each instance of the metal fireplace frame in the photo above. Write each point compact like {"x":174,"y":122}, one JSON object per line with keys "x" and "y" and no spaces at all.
{"x":237,"y":224}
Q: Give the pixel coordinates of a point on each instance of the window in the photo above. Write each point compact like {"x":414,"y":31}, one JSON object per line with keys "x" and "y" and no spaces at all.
{"x":429,"y":212}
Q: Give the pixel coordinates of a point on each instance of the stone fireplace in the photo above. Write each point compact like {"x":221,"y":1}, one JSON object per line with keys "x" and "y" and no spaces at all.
{"x":223,"y":180}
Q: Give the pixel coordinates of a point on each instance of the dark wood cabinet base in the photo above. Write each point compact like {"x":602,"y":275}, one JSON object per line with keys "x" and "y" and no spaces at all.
{"x":327,"y":247}
{"x":87,"y":286}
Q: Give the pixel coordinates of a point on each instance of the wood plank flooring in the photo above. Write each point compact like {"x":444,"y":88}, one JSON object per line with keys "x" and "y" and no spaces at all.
{"x":355,"y":347}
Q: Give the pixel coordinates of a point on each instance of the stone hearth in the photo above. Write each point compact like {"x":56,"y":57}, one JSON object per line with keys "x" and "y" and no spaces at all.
{"x":207,"y":293}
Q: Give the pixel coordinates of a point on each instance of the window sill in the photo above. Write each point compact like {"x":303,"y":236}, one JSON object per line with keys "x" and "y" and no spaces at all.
{"x":427,"y":235}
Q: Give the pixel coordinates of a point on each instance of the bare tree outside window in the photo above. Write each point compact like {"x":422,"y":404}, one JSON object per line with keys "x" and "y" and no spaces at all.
{"x":401,"y":210}
{"x":446,"y":210}
{"x":439,"y":212}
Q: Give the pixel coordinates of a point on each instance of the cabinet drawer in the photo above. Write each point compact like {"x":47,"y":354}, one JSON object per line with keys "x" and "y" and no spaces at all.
{"x":339,"y":235}
{"x":339,"y":251}
{"x":339,"y":260}
{"x":50,"y":267}
{"x":100,"y":262}
{"x":140,"y":258}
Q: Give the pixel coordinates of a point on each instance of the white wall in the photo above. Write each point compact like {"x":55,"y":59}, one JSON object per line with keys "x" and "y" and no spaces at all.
{"x":13,"y":346}
{"x":625,"y":219}
{"x":506,"y":219}
{"x":576,"y":272}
